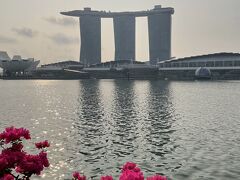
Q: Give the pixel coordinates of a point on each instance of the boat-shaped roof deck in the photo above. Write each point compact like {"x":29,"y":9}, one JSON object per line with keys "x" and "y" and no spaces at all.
{"x":104,"y":14}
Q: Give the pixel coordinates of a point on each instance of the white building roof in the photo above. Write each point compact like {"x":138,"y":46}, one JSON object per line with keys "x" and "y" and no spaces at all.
{"x":4,"y":56}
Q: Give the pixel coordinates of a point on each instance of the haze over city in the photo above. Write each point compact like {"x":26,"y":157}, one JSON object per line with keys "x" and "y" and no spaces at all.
{"x":37,"y":29}
{"x":137,"y":89}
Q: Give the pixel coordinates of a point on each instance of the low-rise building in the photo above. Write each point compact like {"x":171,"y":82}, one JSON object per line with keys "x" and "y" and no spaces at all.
{"x":16,"y":66}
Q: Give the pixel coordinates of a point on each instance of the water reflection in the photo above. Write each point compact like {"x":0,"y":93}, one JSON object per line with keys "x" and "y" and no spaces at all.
{"x":120,"y":121}
{"x":89,"y":129}
{"x":181,"y":129}
{"x":125,"y":115}
{"x":161,"y":116}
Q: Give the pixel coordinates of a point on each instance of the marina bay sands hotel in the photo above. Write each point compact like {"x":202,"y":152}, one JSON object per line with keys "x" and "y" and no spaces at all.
{"x":159,"y":28}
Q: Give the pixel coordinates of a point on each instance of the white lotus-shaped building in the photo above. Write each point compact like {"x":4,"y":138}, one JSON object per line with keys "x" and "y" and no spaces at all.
{"x":16,"y":64}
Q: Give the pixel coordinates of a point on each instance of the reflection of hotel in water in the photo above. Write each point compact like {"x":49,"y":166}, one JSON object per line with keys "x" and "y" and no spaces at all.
{"x":137,"y":112}
{"x":159,"y":27}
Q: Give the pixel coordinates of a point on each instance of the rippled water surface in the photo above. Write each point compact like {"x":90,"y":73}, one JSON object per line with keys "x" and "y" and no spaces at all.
{"x":185,"y":130}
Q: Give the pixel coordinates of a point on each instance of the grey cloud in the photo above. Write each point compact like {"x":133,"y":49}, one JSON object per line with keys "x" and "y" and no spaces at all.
{"x":7,"y":40}
{"x":63,"y":39}
{"x":62,"y":21}
{"x":26,"y":32}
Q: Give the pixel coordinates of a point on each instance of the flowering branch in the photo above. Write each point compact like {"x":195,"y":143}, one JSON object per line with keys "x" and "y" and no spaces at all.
{"x":130,"y":171}
{"x":15,"y":159}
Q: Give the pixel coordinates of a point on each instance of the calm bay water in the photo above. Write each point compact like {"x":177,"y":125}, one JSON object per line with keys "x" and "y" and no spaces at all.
{"x":185,"y":130}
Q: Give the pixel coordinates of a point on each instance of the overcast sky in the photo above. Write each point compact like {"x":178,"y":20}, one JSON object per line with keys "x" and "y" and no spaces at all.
{"x":34,"y":28}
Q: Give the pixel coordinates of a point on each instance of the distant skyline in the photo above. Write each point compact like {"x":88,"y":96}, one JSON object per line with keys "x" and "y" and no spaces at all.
{"x":36,"y":28}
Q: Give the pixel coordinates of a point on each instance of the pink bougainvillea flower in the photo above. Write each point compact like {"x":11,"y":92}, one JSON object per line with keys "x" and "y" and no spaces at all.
{"x":44,"y":159}
{"x":12,"y":157}
{"x":106,"y":178}
{"x":1,"y":136}
{"x":12,"y":134}
{"x":3,"y":163}
{"x":31,"y":164}
{"x":7,"y":177}
{"x":137,"y":169}
{"x":131,"y":175}
{"x":130,"y":171}
{"x":157,"y":177}
{"x":77,"y":176}
{"x":43,"y":144}
{"x":129,"y":166}
{"x":17,"y":147}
